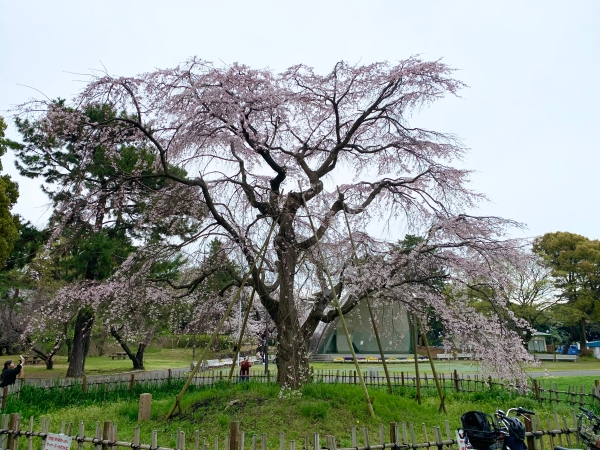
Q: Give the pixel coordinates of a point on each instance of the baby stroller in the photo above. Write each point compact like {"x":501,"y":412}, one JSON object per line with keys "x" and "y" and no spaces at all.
{"x":481,"y":430}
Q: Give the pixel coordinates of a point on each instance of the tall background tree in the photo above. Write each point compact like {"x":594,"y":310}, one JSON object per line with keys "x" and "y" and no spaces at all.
{"x":9,"y":193}
{"x":90,"y":249}
{"x":238,"y":141}
{"x":575,"y":264}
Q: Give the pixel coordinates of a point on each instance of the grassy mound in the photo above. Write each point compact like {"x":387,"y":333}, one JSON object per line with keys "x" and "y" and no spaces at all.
{"x":261,"y":408}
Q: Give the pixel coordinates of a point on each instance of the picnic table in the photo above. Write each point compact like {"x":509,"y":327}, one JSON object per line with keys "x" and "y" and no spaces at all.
{"x":118,"y":355}
{"x":32,"y":359}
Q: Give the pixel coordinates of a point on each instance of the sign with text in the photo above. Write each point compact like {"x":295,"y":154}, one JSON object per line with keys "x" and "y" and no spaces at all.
{"x":462,"y":440}
{"x":57,"y":442}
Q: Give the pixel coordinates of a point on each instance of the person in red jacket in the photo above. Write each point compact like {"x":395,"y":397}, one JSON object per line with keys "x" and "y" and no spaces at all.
{"x":245,"y":369}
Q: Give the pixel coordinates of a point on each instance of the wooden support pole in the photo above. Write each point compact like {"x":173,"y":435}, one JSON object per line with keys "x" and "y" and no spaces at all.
{"x":336,"y":304}
{"x":435,"y":376}
{"x":243,"y":330}
{"x":413,"y":324}
{"x":260,"y":255}
{"x":236,"y":353}
{"x":371,"y":315}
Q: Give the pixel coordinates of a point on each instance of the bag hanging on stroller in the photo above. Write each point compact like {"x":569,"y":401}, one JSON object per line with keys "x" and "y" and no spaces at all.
{"x":480,"y":429}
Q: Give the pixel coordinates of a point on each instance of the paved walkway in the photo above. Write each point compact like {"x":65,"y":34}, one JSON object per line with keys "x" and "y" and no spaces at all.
{"x":566,"y":373}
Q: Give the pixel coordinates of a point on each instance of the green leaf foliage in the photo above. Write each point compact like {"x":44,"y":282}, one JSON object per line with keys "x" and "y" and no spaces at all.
{"x":9,"y":193}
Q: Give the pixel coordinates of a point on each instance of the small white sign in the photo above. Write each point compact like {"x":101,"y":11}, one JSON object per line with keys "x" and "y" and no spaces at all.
{"x":57,"y":442}
{"x":462,"y":440}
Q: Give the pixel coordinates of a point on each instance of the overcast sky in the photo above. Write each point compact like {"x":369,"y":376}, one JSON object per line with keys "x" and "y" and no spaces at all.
{"x":531,"y":114}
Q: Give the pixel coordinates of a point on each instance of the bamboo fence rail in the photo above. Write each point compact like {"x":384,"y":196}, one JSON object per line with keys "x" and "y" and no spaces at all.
{"x":542,"y":390}
{"x":542,"y":433}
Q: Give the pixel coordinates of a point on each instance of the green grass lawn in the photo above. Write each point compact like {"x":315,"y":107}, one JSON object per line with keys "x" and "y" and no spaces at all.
{"x":166,"y":358}
{"x":321,"y":408}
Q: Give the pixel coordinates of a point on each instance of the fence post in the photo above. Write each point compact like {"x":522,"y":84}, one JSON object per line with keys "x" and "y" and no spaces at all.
{"x":536,"y":389}
{"x":528,"y":427}
{"x":131,"y":382}
{"x":12,"y":426}
{"x":4,"y":396}
{"x":29,"y":437}
{"x":234,"y":435}
{"x":80,"y":435}
{"x":105,"y":434}
{"x":394,"y":433}
{"x":84,"y":384}
{"x":456,"y":387}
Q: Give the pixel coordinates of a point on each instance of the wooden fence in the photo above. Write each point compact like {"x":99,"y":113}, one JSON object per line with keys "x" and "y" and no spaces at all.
{"x":542,"y":434}
{"x":543,"y":390}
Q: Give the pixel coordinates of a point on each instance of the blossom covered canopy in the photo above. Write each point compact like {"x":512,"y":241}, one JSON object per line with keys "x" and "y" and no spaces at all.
{"x":236,"y":143}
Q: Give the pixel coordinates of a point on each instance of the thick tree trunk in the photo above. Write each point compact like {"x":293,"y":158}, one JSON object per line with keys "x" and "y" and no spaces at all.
{"x":47,"y":358}
{"x":292,"y":357}
{"x":138,"y":358}
{"x":139,"y":355}
{"x":81,"y":343}
{"x":292,"y":347}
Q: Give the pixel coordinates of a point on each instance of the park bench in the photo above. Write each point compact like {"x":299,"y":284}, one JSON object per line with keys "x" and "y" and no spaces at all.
{"x":553,"y":357}
{"x":458,"y":356}
{"x":213,"y":363}
{"x":32,"y":359}
{"x":119,"y":355}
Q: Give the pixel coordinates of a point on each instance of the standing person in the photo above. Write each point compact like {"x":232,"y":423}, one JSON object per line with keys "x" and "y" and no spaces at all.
{"x":10,"y":372}
{"x":259,"y":356}
{"x":245,"y":369}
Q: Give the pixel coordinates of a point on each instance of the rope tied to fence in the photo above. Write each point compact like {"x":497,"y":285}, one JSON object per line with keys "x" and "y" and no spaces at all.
{"x":79,"y":439}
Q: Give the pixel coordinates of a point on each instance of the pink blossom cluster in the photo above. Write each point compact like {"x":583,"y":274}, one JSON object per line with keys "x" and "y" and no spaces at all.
{"x":231,"y":145}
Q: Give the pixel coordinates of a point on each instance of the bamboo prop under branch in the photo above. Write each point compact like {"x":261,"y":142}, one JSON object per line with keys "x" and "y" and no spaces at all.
{"x":435,"y":375}
{"x":239,"y":342}
{"x":376,"y":332}
{"x":337,"y":306}
{"x":413,"y":324}
{"x":260,"y":255}
{"x":243,"y":330}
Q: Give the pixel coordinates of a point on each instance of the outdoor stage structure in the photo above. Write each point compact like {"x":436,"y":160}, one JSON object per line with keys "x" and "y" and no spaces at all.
{"x":391,"y":320}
